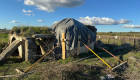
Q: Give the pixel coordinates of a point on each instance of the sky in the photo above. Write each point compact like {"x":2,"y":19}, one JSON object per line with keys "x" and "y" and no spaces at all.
{"x":105,"y":15}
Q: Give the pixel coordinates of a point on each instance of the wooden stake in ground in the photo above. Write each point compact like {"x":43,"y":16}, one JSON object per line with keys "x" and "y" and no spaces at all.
{"x":88,"y":42}
{"x":63,"y":46}
{"x":78,"y":46}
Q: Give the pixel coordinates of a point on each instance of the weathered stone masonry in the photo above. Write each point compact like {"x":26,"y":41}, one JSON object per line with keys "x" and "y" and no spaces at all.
{"x":28,"y":47}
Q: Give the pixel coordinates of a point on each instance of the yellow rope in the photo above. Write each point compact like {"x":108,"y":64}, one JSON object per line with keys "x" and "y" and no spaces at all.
{"x":98,"y":57}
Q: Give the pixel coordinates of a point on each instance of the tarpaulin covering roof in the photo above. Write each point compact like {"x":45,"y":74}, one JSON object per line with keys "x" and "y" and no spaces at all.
{"x":72,"y":28}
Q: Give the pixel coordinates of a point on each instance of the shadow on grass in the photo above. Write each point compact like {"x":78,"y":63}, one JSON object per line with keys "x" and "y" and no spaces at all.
{"x":82,"y":72}
{"x":13,"y":59}
{"x":73,"y":72}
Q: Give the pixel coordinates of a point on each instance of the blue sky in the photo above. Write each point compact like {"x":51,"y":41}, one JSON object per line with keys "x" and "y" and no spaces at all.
{"x":106,"y":15}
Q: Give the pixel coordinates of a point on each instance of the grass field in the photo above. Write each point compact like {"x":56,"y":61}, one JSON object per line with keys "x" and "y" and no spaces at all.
{"x":88,"y":69}
{"x":130,"y":34}
{"x":3,"y":40}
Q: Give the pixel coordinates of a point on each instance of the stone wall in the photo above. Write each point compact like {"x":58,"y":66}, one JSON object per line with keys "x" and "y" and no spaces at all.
{"x":30,"y":49}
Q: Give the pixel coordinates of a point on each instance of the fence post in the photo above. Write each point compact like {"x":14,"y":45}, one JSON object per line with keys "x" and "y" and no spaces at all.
{"x":139,"y":44}
{"x":114,"y":40}
{"x":78,"y":47}
{"x":63,"y":46}
{"x":134,"y":42}
{"x":88,"y":42}
{"x":108,"y":40}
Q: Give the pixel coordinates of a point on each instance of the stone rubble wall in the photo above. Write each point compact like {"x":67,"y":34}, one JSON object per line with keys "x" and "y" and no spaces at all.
{"x":30,"y":49}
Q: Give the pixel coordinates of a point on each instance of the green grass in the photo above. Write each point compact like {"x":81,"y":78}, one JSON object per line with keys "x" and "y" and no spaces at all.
{"x":137,"y":55}
{"x":3,"y":34}
{"x":3,"y":40}
{"x":9,"y":67}
{"x":69,"y":59}
{"x":131,"y":34}
{"x":118,"y":42}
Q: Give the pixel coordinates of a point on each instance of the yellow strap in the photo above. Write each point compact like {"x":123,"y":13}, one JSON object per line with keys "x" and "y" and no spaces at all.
{"x":98,"y":57}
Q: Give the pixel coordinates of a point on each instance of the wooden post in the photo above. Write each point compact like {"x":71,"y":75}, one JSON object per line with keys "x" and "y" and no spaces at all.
{"x":134,"y":42}
{"x":78,"y":46}
{"x":108,"y":40}
{"x":63,"y":46}
{"x":139,"y":43}
{"x":114,"y":40}
{"x":88,"y":43}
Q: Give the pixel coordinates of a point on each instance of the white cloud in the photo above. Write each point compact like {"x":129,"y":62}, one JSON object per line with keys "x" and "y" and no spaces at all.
{"x":131,"y":26}
{"x":40,"y":20}
{"x":124,"y":21}
{"x":14,"y":21}
{"x":28,"y":11}
{"x":30,"y":14}
{"x":102,"y":21}
{"x":51,"y":5}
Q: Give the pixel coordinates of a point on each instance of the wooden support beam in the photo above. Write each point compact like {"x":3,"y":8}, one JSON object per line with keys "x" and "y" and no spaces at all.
{"x":88,"y":42}
{"x":78,"y":46}
{"x":63,"y":46}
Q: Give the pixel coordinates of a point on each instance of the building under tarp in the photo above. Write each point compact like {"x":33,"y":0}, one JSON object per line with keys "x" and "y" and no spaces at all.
{"x":72,"y":29}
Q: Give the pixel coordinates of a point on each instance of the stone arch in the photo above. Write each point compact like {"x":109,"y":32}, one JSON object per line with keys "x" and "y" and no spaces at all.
{"x":16,"y":52}
{"x":13,"y":39}
{"x":21,"y":48}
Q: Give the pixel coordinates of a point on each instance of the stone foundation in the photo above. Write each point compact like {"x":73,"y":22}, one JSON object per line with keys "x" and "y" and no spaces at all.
{"x":28,"y":47}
